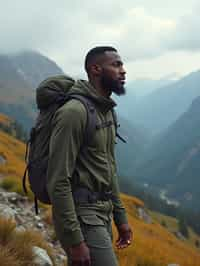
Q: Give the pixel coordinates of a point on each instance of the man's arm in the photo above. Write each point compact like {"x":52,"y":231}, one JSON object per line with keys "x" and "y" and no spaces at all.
{"x":68,"y":129}
{"x":120,"y":218}
{"x":119,"y":212}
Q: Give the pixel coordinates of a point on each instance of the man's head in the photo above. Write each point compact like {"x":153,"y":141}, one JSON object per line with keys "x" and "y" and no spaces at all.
{"x":104,"y":64}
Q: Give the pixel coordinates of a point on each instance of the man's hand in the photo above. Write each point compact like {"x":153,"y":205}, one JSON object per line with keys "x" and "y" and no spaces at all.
{"x":125,"y":236}
{"x":80,"y":255}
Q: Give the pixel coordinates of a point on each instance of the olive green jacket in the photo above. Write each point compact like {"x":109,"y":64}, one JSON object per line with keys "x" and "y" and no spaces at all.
{"x":69,"y":168}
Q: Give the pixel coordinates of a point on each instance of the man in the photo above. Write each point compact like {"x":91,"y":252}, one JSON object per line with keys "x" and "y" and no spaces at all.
{"x":82,"y":181}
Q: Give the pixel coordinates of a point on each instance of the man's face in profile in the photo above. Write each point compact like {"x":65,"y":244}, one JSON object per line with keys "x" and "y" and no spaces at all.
{"x":113,"y":73}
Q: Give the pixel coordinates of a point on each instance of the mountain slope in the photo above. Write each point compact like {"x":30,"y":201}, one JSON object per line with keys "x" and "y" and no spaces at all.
{"x":127,"y":153}
{"x":173,"y":161}
{"x":163,"y":106}
{"x":19,"y":75}
{"x":33,"y":67}
{"x":153,"y":244}
{"x":12,"y":151}
{"x":136,"y":90}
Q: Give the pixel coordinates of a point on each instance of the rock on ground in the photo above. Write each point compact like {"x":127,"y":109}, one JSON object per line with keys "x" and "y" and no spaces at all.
{"x":41,"y":257}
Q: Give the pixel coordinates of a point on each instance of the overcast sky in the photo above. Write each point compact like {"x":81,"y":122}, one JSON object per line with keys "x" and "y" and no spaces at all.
{"x":155,"y":38}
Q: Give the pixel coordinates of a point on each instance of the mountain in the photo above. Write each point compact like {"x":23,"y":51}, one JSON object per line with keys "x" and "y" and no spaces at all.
{"x":19,"y":75}
{"x":136,"y":90}
{"x":33,"y":67}
{"x":127,"y":153}
{"x":143,"y":86}
{"x":25,"y":70}
{"x":158,"y":110}
{"x":172,"y":161}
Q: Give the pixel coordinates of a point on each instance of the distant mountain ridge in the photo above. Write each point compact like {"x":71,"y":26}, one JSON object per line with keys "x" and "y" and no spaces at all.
{"x":26,"y":69}
{"x":33,"y":67}
{"x":127,"y":153}
{"x":158,"y":110}
{"x":175,"y":162}
{"x":19,"y":75}
{"x":136,"y":90}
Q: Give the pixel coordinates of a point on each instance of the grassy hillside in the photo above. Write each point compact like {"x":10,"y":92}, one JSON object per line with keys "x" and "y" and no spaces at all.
{"x":172,"y":225}
{"x":153,"y":244}
{"x":16,"y":246}
{"x":4,"y":120}
{"x":12,"y":152}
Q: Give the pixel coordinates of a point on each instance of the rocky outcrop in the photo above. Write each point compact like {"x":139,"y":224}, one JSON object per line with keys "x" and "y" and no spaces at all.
{"x":19,"y":209}
{"x":2,"y":160}
{"x":144,"y":215}
{"x":7,"y":212}
{"x":41,"y":257}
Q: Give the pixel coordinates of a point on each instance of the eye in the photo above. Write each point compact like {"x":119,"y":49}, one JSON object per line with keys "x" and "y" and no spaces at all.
{"x":117,"y":64}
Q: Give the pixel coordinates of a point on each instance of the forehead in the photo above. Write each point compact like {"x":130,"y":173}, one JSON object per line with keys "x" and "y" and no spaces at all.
{"x":109,"y":56}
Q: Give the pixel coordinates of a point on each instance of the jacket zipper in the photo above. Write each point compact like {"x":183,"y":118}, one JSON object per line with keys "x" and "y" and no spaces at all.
{"x":108,"y":150}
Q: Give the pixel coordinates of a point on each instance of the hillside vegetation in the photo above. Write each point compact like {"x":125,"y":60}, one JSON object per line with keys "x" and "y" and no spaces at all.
{"x":12,"y":127}
{"x":4,"y":120}
{"x":16,"y":246}
{"x":153,"y":244}
{"x":12,"y":151}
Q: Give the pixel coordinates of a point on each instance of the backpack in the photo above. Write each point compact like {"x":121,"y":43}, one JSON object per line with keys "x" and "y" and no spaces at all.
{"x":51,"y":94}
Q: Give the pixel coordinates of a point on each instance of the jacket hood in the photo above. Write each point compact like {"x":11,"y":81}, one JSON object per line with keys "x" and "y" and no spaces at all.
{"x":83,"y":87}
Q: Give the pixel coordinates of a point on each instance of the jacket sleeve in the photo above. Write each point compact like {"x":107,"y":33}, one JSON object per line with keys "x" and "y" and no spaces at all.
{"x":119,"y":212}
{"x":68,"y":128}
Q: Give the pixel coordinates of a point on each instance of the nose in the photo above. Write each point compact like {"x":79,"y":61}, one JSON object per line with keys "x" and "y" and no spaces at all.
{"x":122,"y":70}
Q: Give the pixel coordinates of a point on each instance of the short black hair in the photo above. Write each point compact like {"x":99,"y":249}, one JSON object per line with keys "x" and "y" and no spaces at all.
{"x":94,"y":52}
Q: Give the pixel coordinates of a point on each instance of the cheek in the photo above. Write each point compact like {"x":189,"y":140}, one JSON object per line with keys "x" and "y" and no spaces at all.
{"x":113,"y":73}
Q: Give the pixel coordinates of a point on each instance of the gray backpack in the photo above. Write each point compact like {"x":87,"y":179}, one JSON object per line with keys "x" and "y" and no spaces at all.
{"x":51,"y":94}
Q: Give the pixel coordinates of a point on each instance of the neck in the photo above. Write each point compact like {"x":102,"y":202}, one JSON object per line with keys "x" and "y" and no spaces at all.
{"x":102,"y":91}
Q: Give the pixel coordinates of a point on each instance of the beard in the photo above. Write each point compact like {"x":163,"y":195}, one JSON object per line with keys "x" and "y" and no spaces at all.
{"x":115,"y":86}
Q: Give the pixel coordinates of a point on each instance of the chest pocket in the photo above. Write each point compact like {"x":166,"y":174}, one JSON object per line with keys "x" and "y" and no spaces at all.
{"x":104,"y":136}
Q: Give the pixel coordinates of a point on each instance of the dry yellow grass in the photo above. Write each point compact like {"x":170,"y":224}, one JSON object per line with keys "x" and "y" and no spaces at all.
{"x":16,"y":247}
{"x":7,"y":228}
{"x":9,"y":259}
{"x":48,"y":217}
{"x":5,"y":120}
{"x":172,"y":225}
{"x":153,"y":245}
{"x":13,"y":151}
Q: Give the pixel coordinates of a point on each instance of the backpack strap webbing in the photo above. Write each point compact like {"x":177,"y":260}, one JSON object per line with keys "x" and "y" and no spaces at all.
{"x":91,"y":117}
{"x":36,"y":205}
{"x":114,"y":114}
{"x":26,"y":169}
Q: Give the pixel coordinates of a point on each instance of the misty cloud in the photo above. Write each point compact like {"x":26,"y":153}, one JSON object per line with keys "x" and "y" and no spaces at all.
{"x":65,"y":30}
{"x":186,"y":36}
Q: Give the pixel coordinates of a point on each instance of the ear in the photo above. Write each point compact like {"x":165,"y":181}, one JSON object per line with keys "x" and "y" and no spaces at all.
{"x":96,"y":69}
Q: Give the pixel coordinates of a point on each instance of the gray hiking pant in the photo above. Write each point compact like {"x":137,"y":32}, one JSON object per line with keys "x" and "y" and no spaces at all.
{"x":98,"y":236}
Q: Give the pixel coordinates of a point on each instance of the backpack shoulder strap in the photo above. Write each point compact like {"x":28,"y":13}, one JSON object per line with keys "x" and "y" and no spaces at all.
{"x":114,"y":114}
{"x":91,"y":117}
